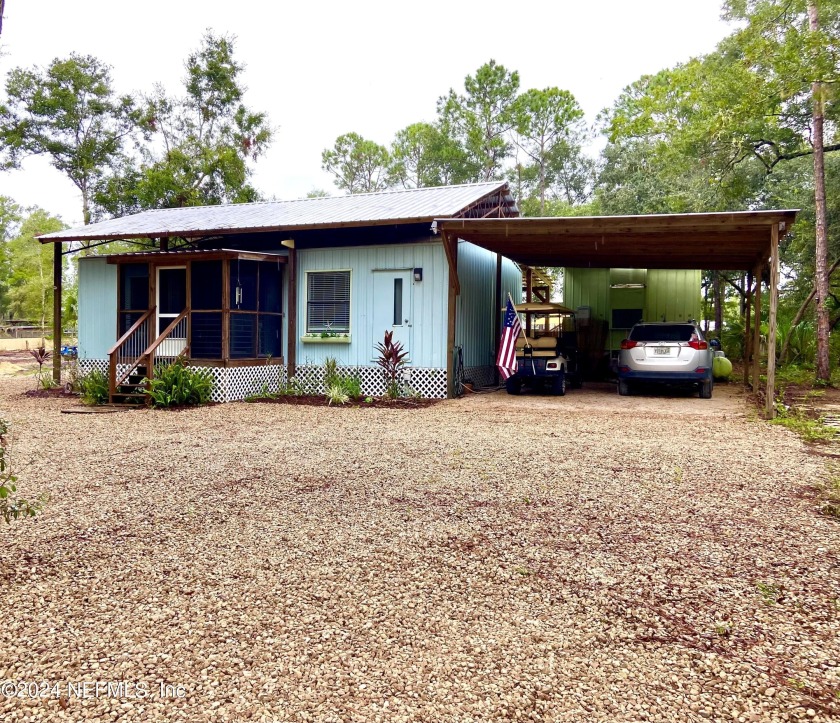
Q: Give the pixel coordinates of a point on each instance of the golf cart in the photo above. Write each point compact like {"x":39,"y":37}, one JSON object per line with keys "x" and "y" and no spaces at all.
{"x":546,"y":351}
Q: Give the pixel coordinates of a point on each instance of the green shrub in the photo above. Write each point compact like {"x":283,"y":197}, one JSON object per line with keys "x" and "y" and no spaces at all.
{"x":352,"y":385}
{"x":11,"y":507}
{"x":337,"y":395}
{"x":94,"y":387}
{"x":176,"y":384}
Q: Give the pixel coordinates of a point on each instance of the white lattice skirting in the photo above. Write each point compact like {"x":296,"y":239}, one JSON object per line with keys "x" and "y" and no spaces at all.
{"x":232,"y":384}
{"x":429,"y":383}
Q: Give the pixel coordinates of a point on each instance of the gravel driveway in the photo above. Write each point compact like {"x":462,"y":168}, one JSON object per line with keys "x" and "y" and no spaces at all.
{"x":587,"y":558}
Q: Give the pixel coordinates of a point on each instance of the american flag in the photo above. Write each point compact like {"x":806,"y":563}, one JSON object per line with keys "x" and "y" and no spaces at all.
{"x":506,"y":360}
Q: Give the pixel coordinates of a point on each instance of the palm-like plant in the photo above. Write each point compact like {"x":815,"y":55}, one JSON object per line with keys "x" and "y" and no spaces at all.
{"x":42,"y":356}
{"x":393,"y":359}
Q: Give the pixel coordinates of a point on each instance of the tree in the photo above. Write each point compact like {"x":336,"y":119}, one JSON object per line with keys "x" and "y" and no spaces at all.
{"x":69,"y":113}
{"x":359,"y":165}
{"x":10,"y":218}
{"x":423,"y":155}
{"x":481,"y":119}
{"x":197,"y":149}
{"x":30,"y":282}
{"x":784,"y":43}
{"x":549,"y":126}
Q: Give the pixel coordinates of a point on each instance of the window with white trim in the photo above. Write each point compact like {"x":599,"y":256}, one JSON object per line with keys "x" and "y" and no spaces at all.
{"x":328,"y":301}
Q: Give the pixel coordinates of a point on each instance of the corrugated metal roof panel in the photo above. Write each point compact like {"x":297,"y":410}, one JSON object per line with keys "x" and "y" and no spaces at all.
{"x":354,"y":210}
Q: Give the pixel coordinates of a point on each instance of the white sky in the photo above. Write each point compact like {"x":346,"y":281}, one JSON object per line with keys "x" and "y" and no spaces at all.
{"x":320,"y":69}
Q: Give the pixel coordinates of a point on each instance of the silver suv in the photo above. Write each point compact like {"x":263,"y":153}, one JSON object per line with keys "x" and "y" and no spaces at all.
{"x":666,"y":352}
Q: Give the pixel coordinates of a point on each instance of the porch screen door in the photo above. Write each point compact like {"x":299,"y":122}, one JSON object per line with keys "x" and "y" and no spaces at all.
{"x":171,"y":301}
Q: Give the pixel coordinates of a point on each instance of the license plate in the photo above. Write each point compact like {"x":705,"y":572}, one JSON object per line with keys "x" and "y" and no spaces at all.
{"x":661,"y":351}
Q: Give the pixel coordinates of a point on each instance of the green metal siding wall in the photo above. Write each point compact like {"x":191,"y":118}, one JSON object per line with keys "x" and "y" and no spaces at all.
{"x":474,"y":328}
{"x":672,"y":294}
{"x":588,"y":287}
{"x":97,"y":307}
{"x":427,"y":337}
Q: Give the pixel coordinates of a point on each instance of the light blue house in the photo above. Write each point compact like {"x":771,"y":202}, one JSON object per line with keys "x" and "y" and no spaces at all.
{"x":258,"y":293}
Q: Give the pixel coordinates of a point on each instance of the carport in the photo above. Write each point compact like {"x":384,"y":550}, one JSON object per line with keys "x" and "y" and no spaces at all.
{"x":733,"y":241}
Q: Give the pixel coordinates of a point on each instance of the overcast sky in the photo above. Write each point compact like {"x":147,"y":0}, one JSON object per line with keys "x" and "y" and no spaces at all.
{"x":320,"y":69}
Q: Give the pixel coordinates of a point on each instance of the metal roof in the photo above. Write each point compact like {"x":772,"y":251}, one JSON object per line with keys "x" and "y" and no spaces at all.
{"x":360,"y":209}
{"x":729,"y":241}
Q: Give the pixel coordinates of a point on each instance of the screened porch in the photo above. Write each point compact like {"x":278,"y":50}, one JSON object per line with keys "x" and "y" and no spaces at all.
{"x":221,"y":307}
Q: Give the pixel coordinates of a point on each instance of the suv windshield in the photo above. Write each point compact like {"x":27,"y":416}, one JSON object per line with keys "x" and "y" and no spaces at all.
{"x":662,"y":332}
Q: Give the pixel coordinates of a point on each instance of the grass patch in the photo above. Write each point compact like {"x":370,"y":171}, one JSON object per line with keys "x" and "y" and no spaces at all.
{"x":830,"y":492}
{"x":797,"y":420}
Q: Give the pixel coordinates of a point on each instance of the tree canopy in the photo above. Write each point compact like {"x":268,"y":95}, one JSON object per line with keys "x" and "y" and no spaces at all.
{"x":70,"y":113}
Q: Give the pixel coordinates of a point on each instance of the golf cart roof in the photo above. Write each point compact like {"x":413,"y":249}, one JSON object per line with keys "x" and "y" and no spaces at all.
{"x":536,"y":307}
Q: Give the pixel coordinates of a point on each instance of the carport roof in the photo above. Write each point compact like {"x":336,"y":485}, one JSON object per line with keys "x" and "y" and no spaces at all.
{"x":732,"y":240}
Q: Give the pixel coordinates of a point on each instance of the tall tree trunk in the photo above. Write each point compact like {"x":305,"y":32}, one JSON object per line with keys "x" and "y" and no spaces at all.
{"x":821,"y":281}
{"x":801,"y":313}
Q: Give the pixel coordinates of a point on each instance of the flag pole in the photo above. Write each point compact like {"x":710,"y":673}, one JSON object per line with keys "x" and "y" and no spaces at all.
{"x":522,"y":331}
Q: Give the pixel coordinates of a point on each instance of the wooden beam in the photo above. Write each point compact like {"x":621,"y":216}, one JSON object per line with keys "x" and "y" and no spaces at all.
{"x":497,"y":315}
{"x":291,"y":323}
{"x":769,"y":404}
{"x":529,"y":282}
{"x":748,"y":330}
{"x":164,"y":243}
{"x":153,"y":323}
{"x":225,"y":310}
{"x":57,"y":259}
{"x":454,"y":291}
{"x":451,"y":250}
{"x":756,"y":346}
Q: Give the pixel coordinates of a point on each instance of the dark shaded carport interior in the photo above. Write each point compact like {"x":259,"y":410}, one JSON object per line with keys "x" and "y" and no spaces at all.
{"x":732,"y":241}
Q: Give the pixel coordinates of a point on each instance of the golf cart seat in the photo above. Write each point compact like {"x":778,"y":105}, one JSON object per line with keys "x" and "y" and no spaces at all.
{"x":544,"y":346}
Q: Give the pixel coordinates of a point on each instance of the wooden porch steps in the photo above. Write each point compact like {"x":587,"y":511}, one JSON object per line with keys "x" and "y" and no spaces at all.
{"x":130,"y":391}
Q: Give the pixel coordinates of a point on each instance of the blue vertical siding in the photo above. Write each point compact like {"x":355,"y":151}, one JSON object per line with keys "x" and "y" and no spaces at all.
{"x":97,"y":307}
{"x":426,"y":338}
{"x":474,"y":327}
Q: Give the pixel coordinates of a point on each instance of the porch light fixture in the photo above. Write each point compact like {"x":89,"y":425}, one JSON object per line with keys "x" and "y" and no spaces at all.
{"x":289,"y":243}
{"x":418,"y":274}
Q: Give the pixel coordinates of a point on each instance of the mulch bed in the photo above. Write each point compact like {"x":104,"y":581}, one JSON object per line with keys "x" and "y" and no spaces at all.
{"x":48,"y":393}
{"x":320,"y":401}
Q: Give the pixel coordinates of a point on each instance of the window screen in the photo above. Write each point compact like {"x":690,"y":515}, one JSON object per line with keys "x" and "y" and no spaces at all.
{"x":328,"y":301}
{"x":206,"y":285}
{"x":243,"y":277}
{"x":134,"y":286}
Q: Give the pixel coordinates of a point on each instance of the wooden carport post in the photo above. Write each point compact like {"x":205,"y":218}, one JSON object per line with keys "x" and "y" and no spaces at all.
{"x":450,"y":247}
{"x":57,"y":262}
{"x":756,"y":344}
{"x":291,"y":324}
{"x":748,"y":330}
{"x":497,"y":318}
{"x":770,"y":406}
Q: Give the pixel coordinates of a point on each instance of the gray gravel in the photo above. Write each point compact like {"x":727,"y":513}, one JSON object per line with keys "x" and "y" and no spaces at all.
{"x":587,"y":558}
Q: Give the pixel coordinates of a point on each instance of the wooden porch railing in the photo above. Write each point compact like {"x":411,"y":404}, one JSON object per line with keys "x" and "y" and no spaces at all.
{"x":128,"y":351}
{"x":176,"y":330}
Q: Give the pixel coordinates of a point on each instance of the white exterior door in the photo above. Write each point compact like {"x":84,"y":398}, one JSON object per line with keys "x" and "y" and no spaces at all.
{"x":171,"y":301}
{"x":392,"y":305}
